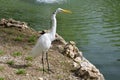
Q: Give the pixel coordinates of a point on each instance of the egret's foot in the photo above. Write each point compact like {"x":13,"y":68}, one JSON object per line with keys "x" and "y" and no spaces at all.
{"x":43,"y":71}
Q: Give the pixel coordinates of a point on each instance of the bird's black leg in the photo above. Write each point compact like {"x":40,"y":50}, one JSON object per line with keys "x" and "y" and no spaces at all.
{"x":43,"y":61}
{"x":47,"y":62}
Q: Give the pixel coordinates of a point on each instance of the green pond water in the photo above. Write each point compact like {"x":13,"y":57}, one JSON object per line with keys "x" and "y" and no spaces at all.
{"x":94,"y":25}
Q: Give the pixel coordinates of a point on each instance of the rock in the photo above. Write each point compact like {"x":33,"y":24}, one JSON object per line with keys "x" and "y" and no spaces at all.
{"x":76,"y":61}
{"x":13,"y":23}
{"x":72,"y":43}
{"x":88,"y":71}
{"x":84,"y":69}
{"x":3,"y":21}
{"x":40,"y":78}
{"x":27,"y":74}
{"x":71,"y":50}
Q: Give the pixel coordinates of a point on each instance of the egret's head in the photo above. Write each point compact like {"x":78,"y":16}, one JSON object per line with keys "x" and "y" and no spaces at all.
{"x":62,"y":10}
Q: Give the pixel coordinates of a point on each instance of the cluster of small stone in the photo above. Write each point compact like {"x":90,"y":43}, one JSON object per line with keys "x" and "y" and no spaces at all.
{"x":13,"y":23}
{"x":84,"y":69}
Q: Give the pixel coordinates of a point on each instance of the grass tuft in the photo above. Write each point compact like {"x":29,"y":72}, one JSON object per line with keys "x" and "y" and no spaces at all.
{"x":1,"y":52}
{"x":15,"y":54}
{"x":1,"y":78}
{"x":1,"y":68}
{"x":29,"y":58}
{"x":32,"y":39}
{"x":21,"y":71}
{"x":18,"y":38}
{"x":11,"y":62}
{"x":29,"y":64}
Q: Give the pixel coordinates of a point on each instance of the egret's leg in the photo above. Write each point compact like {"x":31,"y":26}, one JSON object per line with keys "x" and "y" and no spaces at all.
{"x":43,"y":61}
{"x":47,"y":61}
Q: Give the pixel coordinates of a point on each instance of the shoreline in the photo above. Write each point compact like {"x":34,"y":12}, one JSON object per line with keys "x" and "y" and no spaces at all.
{"x":17,"y":40}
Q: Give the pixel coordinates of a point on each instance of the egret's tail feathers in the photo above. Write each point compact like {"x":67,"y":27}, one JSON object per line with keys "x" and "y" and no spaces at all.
{"x":36,"y":51}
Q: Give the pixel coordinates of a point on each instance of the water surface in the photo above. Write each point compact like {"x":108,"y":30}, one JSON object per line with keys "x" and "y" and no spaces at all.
{"x":94,"y":26}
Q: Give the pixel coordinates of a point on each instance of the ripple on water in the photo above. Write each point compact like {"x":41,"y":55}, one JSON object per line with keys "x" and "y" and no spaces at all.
{"x":50,"y":1}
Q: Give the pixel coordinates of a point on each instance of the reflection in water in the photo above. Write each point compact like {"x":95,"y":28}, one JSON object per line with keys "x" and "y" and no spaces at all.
{"x":94,"y":25}
{"x":50,"y":1}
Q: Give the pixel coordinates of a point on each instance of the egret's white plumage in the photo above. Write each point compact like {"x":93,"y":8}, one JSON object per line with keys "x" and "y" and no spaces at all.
{"x":42,"y":45}
{"x":45,"y":40}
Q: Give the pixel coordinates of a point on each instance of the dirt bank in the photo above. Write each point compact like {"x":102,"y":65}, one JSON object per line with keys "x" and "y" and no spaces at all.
{"x":66,"y":61}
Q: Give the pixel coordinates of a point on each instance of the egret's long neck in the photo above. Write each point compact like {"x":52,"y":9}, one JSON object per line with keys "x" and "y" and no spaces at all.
{"x":54,"y":25}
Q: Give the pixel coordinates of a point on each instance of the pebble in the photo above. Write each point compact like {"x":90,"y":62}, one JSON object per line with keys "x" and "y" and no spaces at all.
{"x":40,"y":78}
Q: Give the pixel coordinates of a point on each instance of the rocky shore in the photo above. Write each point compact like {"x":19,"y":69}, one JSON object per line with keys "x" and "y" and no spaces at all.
{"x":66,"y":61}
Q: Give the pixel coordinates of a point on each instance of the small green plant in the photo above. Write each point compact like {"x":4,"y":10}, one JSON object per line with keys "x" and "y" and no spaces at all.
{"x":63,"y":63}
{"x":29,"y":64}
{"x":1,"y":52}
{"x":21,"y":71}
{"x":18,"y":38}
{"x":32,"y":38}
{"x":1,"y":68}
{"x":15,"y":54}
{"x":11,"y":62}
{"x":1,"y":78}
{"x":59,"y":77}
{"x":29,"y":58}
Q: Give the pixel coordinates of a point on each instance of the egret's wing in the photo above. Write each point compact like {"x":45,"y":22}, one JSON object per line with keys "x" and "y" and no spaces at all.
{"x":42,"y":45}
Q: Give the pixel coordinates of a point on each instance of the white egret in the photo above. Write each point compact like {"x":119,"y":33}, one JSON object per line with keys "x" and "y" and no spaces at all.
{"x":45,"y":40}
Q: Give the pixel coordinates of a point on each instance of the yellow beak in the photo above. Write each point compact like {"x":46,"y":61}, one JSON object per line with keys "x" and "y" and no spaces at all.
{"x":66,"y":11}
